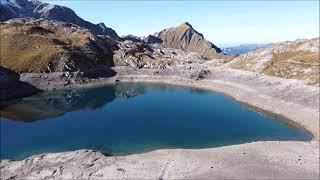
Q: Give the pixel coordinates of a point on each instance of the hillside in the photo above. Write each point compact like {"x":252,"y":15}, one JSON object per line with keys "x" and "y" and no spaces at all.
{"x":39,"y":45}
{"x":37,"y":9}
{"x":291,"y":60}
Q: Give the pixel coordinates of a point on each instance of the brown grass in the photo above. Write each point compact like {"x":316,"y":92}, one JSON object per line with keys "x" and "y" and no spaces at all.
{"x":242,"y":63}
{"x":293,"y":64}
{"x":23,"y":53}
{"x":31,"y":48}
{"x":303,"y":65}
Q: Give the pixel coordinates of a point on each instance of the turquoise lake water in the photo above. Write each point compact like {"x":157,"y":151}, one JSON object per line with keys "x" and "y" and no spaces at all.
{"x":128,"y":118}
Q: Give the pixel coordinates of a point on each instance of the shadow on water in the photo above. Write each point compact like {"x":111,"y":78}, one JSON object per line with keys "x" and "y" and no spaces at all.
{"x":55,"y":103}
{"x":12,"y":87}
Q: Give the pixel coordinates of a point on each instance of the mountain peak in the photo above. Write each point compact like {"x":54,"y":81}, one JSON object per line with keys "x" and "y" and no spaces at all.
{"x":102,"y":25}
{"x":184,"y":37}
{"x":186,"y":24}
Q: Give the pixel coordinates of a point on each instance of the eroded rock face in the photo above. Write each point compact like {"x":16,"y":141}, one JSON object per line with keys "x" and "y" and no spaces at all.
{"x":152,"y":40}
{"x":131,"y":38}
{"x":184,"y":37}
{"x":141,"y":55}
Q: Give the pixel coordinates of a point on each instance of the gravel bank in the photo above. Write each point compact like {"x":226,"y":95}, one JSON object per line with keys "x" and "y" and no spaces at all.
{"x":259,"y":160}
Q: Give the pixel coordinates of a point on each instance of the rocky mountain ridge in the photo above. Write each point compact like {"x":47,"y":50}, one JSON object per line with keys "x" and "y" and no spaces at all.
{"x":37,"y":9}
{"x":186,"y":38}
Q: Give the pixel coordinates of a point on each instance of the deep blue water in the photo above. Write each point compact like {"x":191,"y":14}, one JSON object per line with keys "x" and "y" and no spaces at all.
{"x":129,"y":118}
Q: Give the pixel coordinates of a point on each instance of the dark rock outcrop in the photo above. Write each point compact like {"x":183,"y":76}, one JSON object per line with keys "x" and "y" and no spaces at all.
{"x":11,"y":87}
{"x":152,"y":40}
{"x":200,"y":74}
{"x":186,"y":38}
{"x":131,"y":38}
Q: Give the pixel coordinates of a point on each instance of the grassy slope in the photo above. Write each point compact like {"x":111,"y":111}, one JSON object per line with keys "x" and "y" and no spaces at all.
{"x":294,"y":64}
{"x":34,"y":48}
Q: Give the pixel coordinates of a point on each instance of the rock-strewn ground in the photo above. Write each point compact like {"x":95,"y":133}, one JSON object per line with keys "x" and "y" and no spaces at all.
{"x":259,"y":160}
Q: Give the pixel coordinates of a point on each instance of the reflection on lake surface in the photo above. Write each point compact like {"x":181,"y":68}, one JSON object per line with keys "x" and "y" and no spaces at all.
{"x":128,"y":118}
{"x":56,"y":103}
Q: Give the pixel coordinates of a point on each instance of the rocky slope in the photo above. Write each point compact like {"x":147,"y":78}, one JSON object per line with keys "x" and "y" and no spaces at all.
{"x":40,"y":45}
{"x":298,"y":59}
{"x":37,"y":9}
{"x":184,"y":37}
{"x":143,"y":55}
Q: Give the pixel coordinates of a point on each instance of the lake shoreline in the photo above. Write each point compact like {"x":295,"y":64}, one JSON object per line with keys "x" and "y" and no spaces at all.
{"x":264,"y":159}
{"x":304,"y":116}
{"x":282,"y":159}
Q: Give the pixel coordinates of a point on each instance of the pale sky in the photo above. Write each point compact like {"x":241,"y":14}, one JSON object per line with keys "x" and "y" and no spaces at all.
{"x":222,"y":22}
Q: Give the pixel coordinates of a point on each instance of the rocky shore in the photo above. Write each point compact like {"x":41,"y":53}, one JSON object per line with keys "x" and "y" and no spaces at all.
{"x":258,"y":160}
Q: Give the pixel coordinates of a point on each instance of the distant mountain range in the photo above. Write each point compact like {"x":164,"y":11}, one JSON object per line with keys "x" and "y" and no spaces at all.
{"x":244,"y":48}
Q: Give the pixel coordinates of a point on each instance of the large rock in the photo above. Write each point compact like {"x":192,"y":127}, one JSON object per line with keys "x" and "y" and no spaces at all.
{"x":131,"y":38}
{"x":186,"y":38}
{"x":11,"y":87}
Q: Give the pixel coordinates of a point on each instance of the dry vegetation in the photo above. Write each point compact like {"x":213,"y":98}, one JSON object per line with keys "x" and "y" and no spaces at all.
{"x":291,"y":60}
{"x":41,"y":46}
{"x":297,"y":65}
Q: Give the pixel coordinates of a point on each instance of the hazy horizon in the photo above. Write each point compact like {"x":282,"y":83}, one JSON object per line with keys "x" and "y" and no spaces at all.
{"x":227,"y":23}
